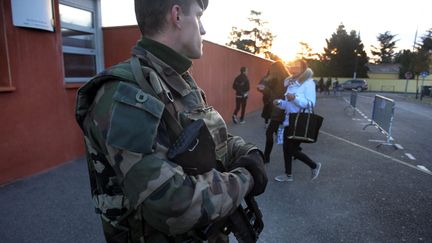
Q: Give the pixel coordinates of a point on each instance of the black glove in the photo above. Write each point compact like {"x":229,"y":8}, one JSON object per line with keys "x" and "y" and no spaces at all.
{"x":253,"y":162}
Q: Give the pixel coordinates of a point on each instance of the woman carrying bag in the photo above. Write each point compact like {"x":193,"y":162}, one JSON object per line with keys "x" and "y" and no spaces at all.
{"x":300,"y":94}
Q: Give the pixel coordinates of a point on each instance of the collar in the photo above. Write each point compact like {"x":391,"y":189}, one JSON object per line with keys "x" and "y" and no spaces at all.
{"x":172,"y":58}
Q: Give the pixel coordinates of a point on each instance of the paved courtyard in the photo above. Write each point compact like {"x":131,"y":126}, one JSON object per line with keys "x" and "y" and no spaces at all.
{"x":363,"y":194}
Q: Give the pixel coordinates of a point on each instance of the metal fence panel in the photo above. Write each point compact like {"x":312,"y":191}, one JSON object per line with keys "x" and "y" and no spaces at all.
{"x":382,"y":116}
{"x":353,"y":99}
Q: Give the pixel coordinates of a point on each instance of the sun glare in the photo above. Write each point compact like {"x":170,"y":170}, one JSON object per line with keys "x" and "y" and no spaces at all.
{"x":289,"y":54}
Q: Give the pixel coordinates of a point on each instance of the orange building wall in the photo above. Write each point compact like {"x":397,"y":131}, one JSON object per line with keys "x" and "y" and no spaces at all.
{"x":38,"y":130}
{"x":214,"y":72}
{"x":37,"y":124}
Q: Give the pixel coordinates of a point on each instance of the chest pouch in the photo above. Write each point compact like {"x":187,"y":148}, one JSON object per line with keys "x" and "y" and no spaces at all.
{"x":191,"y":149}
{"x":215,"y":125}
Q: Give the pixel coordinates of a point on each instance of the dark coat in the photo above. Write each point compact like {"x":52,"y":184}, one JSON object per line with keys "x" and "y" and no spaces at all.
{"x":266,"y":99}
{"x":275,"y":89}
{"x":241,"y":85}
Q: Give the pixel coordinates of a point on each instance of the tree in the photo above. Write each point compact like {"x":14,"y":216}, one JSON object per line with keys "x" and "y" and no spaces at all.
{"x":385,"y":52}
{"x":344,"y":55}
{"x":417,"y":61}
{"x":405,"y":58}
{"x":306,"y":52}
{"x":314,"y":60}
{"x":257,"y":40}
{"x":427,"y":40}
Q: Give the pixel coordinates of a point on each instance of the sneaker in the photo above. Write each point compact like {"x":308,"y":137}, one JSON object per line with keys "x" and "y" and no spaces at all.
{"x":234,"y":119}
{"x":242,"y":122}
{"x":284,"y":177}
{"x":316,"y":171}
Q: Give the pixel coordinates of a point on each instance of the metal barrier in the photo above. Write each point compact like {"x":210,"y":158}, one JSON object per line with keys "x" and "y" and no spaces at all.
{"x":425,"y":91}
{"x":382,"y":117}
{"x":353,"y":100}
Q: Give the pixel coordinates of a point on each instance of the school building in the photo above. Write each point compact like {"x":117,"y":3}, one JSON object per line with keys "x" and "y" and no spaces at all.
{"x":50,"y":48}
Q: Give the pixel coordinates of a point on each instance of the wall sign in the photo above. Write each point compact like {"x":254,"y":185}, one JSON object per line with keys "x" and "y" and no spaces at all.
{"x":36,"y":14}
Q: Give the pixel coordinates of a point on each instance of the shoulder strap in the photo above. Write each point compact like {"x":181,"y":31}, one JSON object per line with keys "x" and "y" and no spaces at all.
{"x":172,"y":123}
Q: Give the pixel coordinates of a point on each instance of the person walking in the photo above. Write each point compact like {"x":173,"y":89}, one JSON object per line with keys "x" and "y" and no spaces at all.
{"x":300,"y":94}
{"x":327,"y":86}
{"x":321,"y":85}
{"x":147,"y":182}
{"x":335,"y":86}
{"x":241,"y":86}
{"x":275,"y":88}
{"x":267,"y":102}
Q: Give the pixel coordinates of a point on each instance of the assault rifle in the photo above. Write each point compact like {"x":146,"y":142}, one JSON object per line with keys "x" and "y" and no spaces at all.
{"x":246,"y":223}
{"x":189,"y":151}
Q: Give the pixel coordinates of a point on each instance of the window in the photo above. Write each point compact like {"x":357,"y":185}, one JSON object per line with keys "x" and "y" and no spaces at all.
{"x":5,"y":78}
{"x":81,"y":41}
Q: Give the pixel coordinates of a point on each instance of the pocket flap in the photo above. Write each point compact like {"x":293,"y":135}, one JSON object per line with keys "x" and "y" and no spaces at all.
{"x":134,"y":120}
{"x":134,"y":96}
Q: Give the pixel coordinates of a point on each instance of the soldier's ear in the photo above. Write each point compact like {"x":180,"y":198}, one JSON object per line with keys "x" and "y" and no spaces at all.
{"x":176,"y":13}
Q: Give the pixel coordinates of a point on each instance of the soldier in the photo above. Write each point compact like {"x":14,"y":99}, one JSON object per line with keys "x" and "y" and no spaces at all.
{"x":136,"y":117}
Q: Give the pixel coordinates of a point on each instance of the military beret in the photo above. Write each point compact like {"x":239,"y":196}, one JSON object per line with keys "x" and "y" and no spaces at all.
{"x":203,"y":3}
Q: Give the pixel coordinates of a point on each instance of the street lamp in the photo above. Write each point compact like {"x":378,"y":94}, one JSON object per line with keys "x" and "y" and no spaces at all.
{"x":357,"y":55}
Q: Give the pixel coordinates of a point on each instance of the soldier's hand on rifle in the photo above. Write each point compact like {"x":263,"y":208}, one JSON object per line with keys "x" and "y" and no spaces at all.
{"x":253,"y":162}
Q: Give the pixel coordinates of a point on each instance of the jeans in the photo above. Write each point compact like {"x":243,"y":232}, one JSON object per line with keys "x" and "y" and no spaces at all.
{"x":292,"y":148}
{"x":240,"y":102}
{"x":270,"y":132}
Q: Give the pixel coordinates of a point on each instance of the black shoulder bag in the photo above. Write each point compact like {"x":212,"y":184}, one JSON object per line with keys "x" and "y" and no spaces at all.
{"x":304,"y":126}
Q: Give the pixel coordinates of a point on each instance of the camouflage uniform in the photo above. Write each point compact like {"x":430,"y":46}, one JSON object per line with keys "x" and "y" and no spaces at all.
{"x":140,"y":194}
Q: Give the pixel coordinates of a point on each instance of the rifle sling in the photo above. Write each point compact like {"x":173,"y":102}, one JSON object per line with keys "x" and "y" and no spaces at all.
{"x":172,"y":124}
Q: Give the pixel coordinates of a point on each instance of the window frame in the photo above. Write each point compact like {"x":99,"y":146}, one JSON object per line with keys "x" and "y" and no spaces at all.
{"x":6,"y":80}
{"x":96,"y":30}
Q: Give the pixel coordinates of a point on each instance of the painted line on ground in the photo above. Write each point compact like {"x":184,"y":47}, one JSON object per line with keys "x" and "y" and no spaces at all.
{"x":423,"y":168}
{"x":410,"y":156}
{"x":399,"y":146}
{"x":375,"y":152}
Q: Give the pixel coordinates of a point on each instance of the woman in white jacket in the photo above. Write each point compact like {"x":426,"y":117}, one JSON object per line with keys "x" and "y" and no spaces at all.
{"x":300,"y":92}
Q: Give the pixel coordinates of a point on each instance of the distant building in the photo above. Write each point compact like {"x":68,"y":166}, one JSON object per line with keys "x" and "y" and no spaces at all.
{"x":383,"y":71}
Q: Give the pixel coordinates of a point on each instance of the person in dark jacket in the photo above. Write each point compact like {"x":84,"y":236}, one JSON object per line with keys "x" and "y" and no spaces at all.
{"x":275,"y":88}
{"x":267,"y":102}
{"x":321,"y":85}
{"x":241,"y":86}
{"x":327,"y":86}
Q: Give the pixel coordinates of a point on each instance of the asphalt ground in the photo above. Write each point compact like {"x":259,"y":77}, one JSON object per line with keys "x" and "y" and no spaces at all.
{"x":363,"y":193}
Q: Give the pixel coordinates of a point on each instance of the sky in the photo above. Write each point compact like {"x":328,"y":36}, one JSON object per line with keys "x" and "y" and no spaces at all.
{"x":310,"y":21}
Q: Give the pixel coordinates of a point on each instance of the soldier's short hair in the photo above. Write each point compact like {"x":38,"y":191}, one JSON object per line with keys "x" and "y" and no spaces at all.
{"x":150,"y":14}
{"x":243,"y":69}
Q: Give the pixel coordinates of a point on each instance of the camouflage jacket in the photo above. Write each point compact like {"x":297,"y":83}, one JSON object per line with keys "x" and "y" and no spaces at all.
{"x":126,"y":142}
